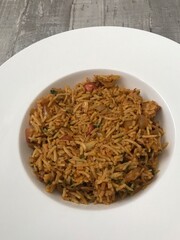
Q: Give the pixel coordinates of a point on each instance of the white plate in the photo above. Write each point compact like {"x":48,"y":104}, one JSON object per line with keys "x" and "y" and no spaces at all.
{"x":26,"y":212}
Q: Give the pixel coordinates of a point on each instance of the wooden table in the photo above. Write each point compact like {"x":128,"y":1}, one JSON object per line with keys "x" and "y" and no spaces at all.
{"x":23,"y":22}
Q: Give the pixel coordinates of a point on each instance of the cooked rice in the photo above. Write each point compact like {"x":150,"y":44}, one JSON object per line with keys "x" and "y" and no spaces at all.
{"x":96,"y":142}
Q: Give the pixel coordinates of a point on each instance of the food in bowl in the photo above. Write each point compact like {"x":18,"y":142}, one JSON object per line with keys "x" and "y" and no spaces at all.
{"x":96,"y":142}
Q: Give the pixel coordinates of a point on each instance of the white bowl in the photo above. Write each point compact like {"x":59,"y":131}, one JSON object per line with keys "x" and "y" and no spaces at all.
{"x":27,"y":211}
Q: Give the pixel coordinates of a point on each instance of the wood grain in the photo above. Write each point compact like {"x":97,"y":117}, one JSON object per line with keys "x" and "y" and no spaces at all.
{"x":10,"y":18}
{"x":23,"y":22}
{"x":87,"y":13}
{"x":128,"y":13}
{"x":165,"y":18}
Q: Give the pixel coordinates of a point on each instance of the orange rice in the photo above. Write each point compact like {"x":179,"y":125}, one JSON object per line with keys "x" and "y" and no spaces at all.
{"x":96,"y":142}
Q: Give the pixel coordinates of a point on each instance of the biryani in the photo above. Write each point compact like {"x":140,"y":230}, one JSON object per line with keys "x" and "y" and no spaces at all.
{"x":96,"y":142}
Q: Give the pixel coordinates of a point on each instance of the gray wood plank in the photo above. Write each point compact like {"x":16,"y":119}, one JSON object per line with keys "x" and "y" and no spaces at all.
{"x":128,"y":13}
{"x":23,"y":22}
{"x":10,"y":19}
{"x":158,"y":16}
{"x":165,"y":18}
{"x":87,"y":13}
{"x":41,"y":19}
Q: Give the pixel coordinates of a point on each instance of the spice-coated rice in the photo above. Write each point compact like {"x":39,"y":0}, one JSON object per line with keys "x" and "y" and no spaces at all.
{"x":96,"y":142}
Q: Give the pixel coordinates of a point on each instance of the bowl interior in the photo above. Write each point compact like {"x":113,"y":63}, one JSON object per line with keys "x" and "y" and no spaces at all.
{"x":127,"y":81}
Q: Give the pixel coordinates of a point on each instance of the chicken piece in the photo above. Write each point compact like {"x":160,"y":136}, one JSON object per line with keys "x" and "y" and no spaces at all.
{"x":107,"y":81}
{"x":67,"y":138}
{"x":142,"y":122}
{"x":133,"y":175}
{"x":150,"y":109}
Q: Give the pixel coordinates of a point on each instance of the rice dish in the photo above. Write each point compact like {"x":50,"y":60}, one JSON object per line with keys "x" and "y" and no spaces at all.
{"x":96,"y":142}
